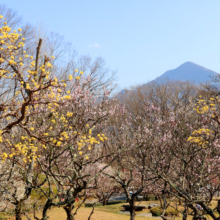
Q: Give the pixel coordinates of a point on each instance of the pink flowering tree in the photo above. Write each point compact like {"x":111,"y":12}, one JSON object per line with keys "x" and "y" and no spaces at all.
{"x":126,"y":134}
{"x":186,"y":167}
{"x":105,"y":187}
{"x":159,"y":148}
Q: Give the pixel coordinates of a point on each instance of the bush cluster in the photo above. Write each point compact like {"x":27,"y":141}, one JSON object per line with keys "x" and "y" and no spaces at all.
{"x":157,"y":211}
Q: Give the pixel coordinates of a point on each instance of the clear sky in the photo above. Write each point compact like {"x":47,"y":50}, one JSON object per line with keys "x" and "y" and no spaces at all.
{"x":140,"y":38}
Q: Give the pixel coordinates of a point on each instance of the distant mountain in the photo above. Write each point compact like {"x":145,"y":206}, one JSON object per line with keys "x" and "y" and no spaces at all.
{"x":188,"y":71}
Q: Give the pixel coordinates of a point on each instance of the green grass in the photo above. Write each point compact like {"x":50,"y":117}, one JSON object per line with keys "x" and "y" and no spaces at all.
{"x":110,"y":208}
{"x":5,"y":216}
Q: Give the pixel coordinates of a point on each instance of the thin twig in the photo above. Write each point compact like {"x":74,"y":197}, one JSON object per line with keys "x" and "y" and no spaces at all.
{"x":80,"y":205}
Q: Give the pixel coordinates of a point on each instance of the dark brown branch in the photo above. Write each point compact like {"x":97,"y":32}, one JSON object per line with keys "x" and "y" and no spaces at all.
{"x":93,"y":208}
{"x":37,"y":55}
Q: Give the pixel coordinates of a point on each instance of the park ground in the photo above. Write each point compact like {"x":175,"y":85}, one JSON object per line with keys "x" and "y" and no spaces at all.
{"x":109,"y":212}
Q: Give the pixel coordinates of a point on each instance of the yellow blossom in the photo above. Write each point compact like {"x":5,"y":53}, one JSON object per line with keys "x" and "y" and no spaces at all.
{"x":59,"y":143}
{"x":78,"y":77}
{"x":49,"y":65}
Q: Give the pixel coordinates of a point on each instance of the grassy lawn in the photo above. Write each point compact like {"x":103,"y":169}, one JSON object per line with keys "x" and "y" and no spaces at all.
{"x":83,"y":214}
{"x":101,"y":213}
{"x":104,"y":213}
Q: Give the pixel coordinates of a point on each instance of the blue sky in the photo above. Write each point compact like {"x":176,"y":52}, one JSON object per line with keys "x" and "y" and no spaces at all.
{"x":140,"y":38}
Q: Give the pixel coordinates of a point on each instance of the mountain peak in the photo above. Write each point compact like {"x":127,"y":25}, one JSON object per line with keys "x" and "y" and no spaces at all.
{"x":188,"y":63}
{"x":188,"y":71}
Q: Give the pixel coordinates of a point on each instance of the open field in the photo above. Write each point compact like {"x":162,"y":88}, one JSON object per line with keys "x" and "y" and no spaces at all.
{"x":105,"y":213}
{"x":101,"y":213}
{"x":83,"y":214}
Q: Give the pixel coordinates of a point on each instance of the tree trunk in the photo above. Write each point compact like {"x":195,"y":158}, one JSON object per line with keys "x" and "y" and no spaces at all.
{"x":18,"y":214}
{"x":196,"y":216}
{"x":185,"y":213}
{"x":208,"y":211}
{"x":68,"y":208}
{"x":132,"y":208}
{"x":46,"y":207}
{"x":161,"y":201}
{"x":105,"y":201}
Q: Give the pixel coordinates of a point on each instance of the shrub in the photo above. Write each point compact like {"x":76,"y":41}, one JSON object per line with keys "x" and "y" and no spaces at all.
{"x":5,"y":216}
{"x":150,"y":198}
{"x":157,"y":211}
{"x":171,"y":212}
{"x":116,"y":202}
{"x":109,"y":203}
{"x":91,"y":204}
